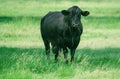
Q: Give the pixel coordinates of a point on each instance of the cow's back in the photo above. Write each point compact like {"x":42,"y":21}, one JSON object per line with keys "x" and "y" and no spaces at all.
{"x":51,"y":24}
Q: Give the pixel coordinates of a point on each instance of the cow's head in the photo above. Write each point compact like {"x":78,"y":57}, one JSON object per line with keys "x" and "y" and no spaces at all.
{"x":73,"y":15}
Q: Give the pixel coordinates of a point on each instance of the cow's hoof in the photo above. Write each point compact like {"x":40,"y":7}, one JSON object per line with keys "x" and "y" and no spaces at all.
{"x":66,"y":61}
{"x":56,"y":61}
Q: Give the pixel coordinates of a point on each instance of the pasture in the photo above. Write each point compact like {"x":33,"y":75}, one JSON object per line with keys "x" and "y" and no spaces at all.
{"x":22,"y":54}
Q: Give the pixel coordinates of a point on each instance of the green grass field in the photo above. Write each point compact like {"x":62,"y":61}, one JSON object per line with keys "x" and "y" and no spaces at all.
{"x":22,"y":54}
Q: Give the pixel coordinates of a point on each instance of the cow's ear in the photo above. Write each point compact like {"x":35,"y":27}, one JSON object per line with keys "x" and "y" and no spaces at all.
{"x":85,"y":13}
{"x":65,"y":12}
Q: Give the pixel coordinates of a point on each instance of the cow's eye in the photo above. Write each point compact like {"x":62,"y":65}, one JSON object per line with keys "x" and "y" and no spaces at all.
{"x":79,"y":15}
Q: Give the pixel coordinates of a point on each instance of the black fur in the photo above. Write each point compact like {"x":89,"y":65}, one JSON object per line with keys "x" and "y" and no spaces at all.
{"x":63,"y":30}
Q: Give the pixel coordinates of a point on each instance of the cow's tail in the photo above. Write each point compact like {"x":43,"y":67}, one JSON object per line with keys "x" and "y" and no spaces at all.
{"x":41,"y":25}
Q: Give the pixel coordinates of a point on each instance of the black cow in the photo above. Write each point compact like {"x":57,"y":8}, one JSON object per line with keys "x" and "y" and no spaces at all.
{"x":63,"y":30}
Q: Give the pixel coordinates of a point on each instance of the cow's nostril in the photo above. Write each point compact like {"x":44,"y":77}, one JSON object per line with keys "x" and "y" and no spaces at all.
{"x":75,"y":25}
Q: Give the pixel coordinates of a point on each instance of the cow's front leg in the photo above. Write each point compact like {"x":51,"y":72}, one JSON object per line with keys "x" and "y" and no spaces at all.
{"x":72,"y":55}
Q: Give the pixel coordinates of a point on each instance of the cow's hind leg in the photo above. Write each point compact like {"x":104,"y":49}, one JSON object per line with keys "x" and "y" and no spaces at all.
{"x":65,"y":51}
{"x":55,"y":50}
{"x":47,"y":49}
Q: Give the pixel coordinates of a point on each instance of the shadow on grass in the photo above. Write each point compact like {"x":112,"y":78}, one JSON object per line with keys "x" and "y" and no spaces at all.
{"x":34,"y":59}
{"x":6,"y":19}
